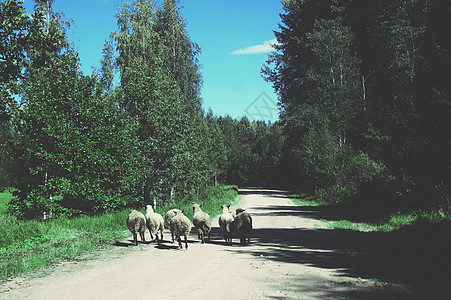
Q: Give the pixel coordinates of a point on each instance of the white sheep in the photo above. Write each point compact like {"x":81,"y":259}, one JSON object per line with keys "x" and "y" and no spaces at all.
{"x":180,"y":225}
{"x":243,"y":225}
{"x":167,"y":219}
{"x":225,"y":222}
{"x":154,"y":222}
{"x":202,"y":222}
{"x":136,"y":223}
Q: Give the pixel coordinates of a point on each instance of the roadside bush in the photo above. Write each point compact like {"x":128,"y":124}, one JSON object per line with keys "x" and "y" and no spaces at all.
{"x":342,"y":174}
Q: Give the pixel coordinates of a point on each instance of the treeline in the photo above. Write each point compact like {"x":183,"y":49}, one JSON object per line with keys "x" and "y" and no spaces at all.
{"x":132,"y":133}
{"x":364,"y":89}
{"x":253,"y":152}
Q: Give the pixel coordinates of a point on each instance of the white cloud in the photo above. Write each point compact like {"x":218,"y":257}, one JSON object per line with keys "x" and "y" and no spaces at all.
{"x":262,"y":48}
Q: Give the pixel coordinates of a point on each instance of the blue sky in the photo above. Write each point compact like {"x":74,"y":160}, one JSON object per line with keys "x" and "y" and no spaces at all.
{"x":234,"y":36}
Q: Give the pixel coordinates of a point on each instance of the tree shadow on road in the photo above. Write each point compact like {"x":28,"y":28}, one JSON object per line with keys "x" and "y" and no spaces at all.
{"x":262,"y":191}
{"x":418,"y":257}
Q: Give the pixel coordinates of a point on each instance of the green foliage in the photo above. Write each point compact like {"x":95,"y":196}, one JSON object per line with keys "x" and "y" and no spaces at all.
{"x":211,"y":199}
{"x":108,"y":67}
{"x":14,"y":24}
{"x":180,"y":54}
{"x":83,"y":145}
{"x":74,"y":148}
{"x":157,"y":94}
{"x":64,"y":147}
{"x":43,"y":242}
{"x":253,"y":151}
{"x":360,"y":100}
{"x":5,"y":197}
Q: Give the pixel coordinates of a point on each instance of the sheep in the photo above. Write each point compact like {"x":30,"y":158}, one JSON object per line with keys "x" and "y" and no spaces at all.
{"x":202,"y":222}
{"x":167,"y":219}
{"x":136,"y":223}
{"x":225,"y":222}
{"x":180,"y":225}
{"x":243,"y":225}
{"x":154,"y":222}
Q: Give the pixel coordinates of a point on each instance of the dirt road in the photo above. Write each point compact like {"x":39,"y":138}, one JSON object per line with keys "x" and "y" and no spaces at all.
{"x":291,"y":256}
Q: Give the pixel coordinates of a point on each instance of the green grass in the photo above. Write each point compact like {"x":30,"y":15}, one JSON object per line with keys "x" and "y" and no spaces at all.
{"x":5,"y":197}
{"x":303,"y":200}
{"x":392,"y":222}
{"x":346,"y":224}
{"x":28,"y":245}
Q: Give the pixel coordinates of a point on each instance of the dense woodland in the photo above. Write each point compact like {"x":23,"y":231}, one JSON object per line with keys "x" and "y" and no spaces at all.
{"x":364,"y":94}
{"x":364,"y":89}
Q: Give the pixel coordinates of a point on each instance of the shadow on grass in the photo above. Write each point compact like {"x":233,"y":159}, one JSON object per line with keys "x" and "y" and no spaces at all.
{"x":418,"y":256}
{"x":123,"y":244}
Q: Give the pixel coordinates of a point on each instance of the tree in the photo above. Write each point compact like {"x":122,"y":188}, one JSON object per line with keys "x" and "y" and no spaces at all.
{"x":318,"y":79}
{"x":14,"y":24}
{"x":215,"y":152}
{"x":155,"y":100}
{"x":363,"y":108}
{"x":74,"y":147}
{"x":108,"y":66}
{"x":180,"y":54}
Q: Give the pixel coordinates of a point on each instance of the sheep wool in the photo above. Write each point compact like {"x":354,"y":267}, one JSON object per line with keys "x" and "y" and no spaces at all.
{"x":167,"y":219}
{"x":202,"y":222}
{"x":155,"y":223}
{"x":225,"y":222}
{"x":180,"y":226}
{"x":243,"y":225}
{"x":136,"y":223}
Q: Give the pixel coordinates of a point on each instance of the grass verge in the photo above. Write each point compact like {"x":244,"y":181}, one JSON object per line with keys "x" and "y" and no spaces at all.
{"x":336,"y":219}
{"x":5,"y":197}
{"x":403,"y":251}
{"x":28,"y":245}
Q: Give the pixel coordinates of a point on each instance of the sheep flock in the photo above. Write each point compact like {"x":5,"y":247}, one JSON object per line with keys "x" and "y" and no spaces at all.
{"x":238,"y":221}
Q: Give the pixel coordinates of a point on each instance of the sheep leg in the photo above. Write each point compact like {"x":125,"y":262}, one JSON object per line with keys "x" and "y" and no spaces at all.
{"x":135,"y":238}
{"x":158,"y":240}
{"x":186,"y":242}
{"x":180,"y":242}
{"x":200,"y":233}
{"x":143,"y":237}
{"x":161,"y":234}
